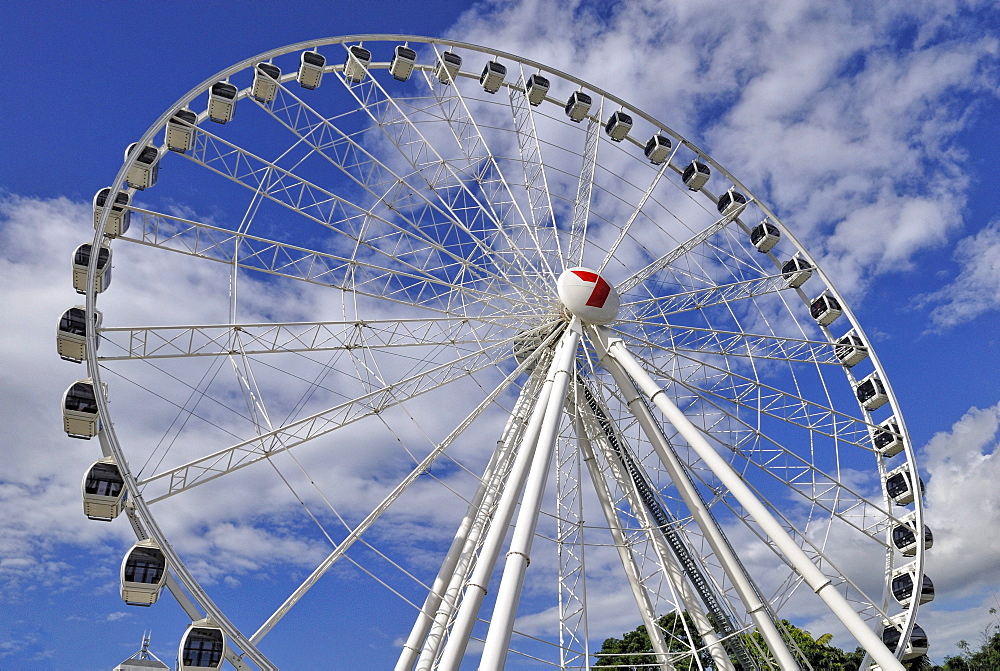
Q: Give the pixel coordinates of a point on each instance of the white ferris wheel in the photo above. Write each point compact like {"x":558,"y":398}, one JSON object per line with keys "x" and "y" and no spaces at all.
{"x":446,"y":336}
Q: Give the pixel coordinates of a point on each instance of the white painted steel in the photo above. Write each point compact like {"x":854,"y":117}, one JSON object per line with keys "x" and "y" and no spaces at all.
{"x":431,"y":627}
{"x":519,"y":554}
{"x":643,"y":604}
{"x":816,"y":580}
{"x":673,"y":572}
{"x":624,"y":370}
{"x":438,"y":239}
{"x":477,"y":585}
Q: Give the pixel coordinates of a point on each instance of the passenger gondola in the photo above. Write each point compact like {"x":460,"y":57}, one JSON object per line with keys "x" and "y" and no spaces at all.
{"x":81,"y":417}
{"x":850,"y":349}
{"x":577,"y":106}
{"x":536,"y":88}
{"x":203,"y":646}
{"x":904,"y":535}
{"x":618,"y":126}
{"x":402,"y":63}
{"x":695,"y":175}
{"x":71,"y":333}
{"x":731,"y":203}
{"x":311,"y":64}
{"x":764,"y":236}
{"x":143,"y":573}
{"x":119,"y":218}
{"x":104,"y":491}
{"x":356,"y":65}
{"x":796,"y":271}
{"x":493,"y":76}
{"x":145,"y":169}
{"x":222,"y":102}
{"x":81,"y":261}
{"x":657,"y":149}
{"x":871,"y":392}
{"x":265,"y":82}
{"x":887,"y":438}
{"x":447,"y":67}
{"x":903,"y":582}
{"x":899,"y":486}
{"x":180,"y":130}
{"x":825,"y":309}
{"x":916,"y":646}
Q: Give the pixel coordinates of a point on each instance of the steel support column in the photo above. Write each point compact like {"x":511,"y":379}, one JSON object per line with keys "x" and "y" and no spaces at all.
{"x":615,"y":355}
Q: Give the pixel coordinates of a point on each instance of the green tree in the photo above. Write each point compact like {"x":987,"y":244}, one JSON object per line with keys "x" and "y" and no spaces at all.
{"x":820,"y":654}
{"x":633,"y":651}
{"x":984,"y":658}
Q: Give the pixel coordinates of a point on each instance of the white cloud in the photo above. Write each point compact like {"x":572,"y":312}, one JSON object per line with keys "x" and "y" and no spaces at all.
{"x":976,"y":289}
{"x":845,"y":120}
{"x":826,"y":111}
{"x":40,"y":497}
{"x":963,"y":504}
{"x":807,"y":103}
{"x":226,"y":535}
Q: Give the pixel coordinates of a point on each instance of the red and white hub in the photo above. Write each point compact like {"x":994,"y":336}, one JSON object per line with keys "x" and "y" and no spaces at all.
{"x":588,"y":296}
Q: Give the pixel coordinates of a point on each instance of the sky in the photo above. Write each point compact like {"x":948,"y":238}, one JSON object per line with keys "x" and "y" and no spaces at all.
{"x":870,"y":130}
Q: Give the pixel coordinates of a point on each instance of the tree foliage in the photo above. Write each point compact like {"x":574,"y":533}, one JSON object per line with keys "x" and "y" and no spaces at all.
{"x":820,"y":654}
{"x":984,"y":658}
{"x":633,"y":650}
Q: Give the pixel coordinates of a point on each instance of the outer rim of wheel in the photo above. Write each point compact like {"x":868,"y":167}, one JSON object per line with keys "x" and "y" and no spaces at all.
{"x":112,"y":443}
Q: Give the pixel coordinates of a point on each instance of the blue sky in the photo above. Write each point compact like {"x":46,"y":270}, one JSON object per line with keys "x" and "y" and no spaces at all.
{"x":872,"y":132}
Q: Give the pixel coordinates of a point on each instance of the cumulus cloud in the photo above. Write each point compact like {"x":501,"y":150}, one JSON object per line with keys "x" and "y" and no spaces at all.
{"x":228,"y":536}
{"x":41,"y":496}
{"x":842,"y":118}
{"x":976,"y":289}
{"x":963,"y":503}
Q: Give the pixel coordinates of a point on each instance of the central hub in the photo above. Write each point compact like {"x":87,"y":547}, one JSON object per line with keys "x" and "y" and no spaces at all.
{"x":588,"y":296}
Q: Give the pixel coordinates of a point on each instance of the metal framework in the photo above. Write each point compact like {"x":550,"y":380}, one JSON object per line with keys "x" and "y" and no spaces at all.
{"x":493,"y":363}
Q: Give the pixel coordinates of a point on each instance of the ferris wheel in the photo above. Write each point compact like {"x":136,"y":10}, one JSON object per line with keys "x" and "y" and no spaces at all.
{"x":429,"y":337}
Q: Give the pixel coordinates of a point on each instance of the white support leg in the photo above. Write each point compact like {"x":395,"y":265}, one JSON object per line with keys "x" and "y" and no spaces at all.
{"x":468,"y":611}
{"x":613,"y":351}
{"x":425,"y":635}
{"x":675,"y":576}
{"x":671,"y":569}
{"x":639,"y":593}
{"x":502,"y":622}
{"x":430,"y":628}
{"x":699,"y":511}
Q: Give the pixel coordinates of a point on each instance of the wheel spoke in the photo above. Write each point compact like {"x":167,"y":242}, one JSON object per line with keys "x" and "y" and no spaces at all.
{"x":666,"y":259}
{"x":283,"y":260}
{"x":220,"y":339}
{"x":387,"y":502}
{"x":690,"y":340}
{"x":584,"y":189}
{"x":441,"y":176}
{"x":208,"y":468}
{"x":397,"y":279}
{"x":535,"y":183}
{"x":394,"y":198}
